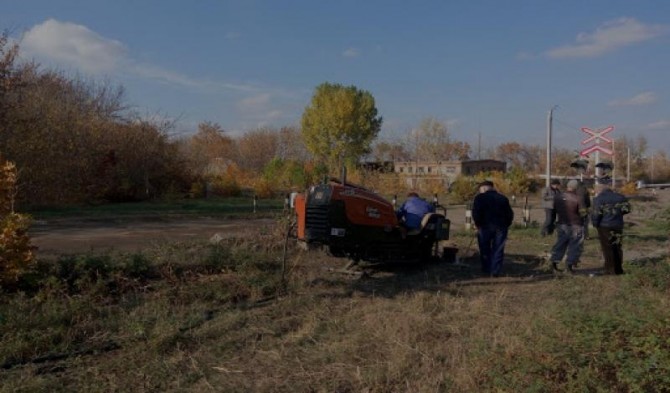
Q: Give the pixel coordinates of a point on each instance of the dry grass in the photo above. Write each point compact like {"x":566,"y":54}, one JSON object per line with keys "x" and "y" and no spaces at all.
{"x":197,"y":317}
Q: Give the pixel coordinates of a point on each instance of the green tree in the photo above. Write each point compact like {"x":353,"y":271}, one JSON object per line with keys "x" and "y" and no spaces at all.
{"x":340,"y":124}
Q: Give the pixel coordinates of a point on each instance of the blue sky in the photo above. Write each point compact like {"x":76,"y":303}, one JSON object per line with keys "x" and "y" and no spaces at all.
{"x":485,"y":67}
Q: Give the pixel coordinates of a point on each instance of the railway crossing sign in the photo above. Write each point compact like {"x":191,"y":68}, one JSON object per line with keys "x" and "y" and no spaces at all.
{"x":596,"y":148}
{"x":597,"y":136}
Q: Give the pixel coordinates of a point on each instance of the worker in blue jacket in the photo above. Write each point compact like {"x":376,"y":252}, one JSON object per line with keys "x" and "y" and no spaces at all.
{"x":412,"y":211}
{"x":493,"y":216}
{"x":609,"y":207}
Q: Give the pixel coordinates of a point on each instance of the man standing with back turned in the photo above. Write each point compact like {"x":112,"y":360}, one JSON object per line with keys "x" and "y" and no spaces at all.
{"x":570,"y":230}
{"x":609,"y":208}
{"x":492,"y":215}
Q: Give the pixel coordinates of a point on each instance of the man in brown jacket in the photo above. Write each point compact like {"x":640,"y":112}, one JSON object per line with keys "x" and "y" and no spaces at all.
{"x":570,"y":228}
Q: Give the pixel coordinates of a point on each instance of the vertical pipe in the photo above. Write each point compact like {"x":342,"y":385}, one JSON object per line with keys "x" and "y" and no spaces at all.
{"x":628,"y":167}
{"x":548,"y":169}
{"x":613,"y":165}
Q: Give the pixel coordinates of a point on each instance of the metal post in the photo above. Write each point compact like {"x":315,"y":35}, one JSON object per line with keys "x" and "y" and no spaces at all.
{"x":548,"y":170}
{"x":526,"y":212}
{"x":468,"y":216}
{"x":613,"y":165}
{"x":628,"y":167}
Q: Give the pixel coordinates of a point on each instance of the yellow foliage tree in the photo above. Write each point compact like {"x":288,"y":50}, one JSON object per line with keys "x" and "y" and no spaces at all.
{"x":16,"y":251}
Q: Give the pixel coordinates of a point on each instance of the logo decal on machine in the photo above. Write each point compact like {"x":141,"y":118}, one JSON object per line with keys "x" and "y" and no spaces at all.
{"x":337,"y":232}
{"x":372,"y":212}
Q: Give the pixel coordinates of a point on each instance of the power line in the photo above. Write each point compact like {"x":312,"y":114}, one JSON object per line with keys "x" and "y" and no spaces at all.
{"x":568,"y":125}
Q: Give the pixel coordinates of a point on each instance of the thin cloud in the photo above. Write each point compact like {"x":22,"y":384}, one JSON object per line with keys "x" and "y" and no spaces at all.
{"x":659,"y":125}
{"x":260,"y":109}
{"x":645,"y":98}
{"x":73,"y":45}
{"x":523,"y":56}
{"x":165,"y":76}
{"x":275,"y":114}
{"x":350,"y":52}
{"x":610,"y":36}
{"x":254,"y":103}
{"x":77,"y":46}
{"x":232,"y":35}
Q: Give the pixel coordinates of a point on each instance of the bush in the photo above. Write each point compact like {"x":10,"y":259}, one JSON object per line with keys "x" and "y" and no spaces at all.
{"x":628,"y":189}
{"x":463,"y":189}
{"x":16,"y":252}
{"x":197,"y":190}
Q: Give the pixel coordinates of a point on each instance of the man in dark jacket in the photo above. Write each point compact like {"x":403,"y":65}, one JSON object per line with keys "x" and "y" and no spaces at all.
{"x":609,"y":208}
{"x":570,"y":228}
{"x":492,"y":215}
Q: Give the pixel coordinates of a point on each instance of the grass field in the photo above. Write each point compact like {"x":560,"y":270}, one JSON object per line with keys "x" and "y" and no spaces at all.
{"x":183,"y":207}
{"x":202,"y":317}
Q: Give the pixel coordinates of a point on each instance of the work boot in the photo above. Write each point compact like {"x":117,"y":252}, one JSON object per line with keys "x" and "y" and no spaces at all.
{"x":570,"y":270}
{"x":554,"y":267}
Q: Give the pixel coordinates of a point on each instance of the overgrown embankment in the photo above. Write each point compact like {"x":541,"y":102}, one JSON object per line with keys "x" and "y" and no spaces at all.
{"x":203,"y":317}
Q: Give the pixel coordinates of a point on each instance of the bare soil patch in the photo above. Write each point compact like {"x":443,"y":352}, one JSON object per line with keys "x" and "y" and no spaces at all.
{"x":70,"y":236}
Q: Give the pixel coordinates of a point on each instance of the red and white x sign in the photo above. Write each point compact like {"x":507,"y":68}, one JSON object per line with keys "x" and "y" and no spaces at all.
{"x":595,"y":148}
{"x":597,"y":134}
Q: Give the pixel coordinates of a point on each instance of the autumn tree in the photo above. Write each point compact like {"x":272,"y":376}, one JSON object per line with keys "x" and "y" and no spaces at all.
{"x":340,"y":124}
{"x":431,"y":141}
{"x":389,"y":151}
{"x":16,"y":251}
{"x":636,"y":149}
{"x":8,"y":75}
{"x":207,"y":147}
{"x":290,"y":145}
{"x":517,"y":155}
{"x":146,"y":162}
{"x":75,"y":140}
{"x":256,"y":148}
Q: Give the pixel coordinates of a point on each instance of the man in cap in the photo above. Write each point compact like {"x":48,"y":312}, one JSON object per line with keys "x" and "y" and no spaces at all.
{"x":570,"y":228}
{"x":492,"y":215}
{"x":548,"y":195}
{"x":609,"y":208}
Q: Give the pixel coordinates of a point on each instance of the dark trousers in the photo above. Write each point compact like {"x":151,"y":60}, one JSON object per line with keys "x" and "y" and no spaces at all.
{"x":570,"y":239}
{"x":610,"y":243}
{"x":491,"y":248}
{"x":549,"y":222}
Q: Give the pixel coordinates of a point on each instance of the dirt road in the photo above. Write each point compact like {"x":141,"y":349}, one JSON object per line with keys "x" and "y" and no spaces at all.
{"x":76,"y":236}
{"x":68,"y":236}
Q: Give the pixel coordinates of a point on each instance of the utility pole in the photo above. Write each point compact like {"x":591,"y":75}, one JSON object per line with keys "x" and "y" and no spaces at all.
{"x":549,"y":125}
{"x":614,"y":161}
{"x":479,"y":146}
{"x":628,"y":167}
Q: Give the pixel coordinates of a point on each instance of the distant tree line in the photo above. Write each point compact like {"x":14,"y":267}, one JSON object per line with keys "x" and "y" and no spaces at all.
{"x":77,"y":141}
